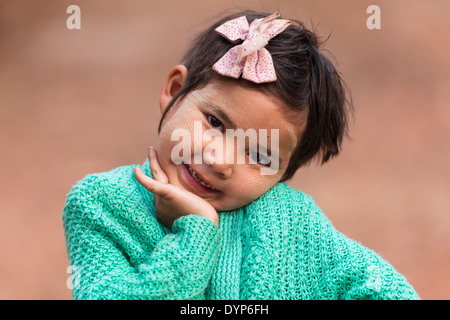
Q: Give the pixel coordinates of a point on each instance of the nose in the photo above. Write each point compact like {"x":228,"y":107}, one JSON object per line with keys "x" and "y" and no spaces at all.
{"x":218,"y":163}
{"x":225,"y":170}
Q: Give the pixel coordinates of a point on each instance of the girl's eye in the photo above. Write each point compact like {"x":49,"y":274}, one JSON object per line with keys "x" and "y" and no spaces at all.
{"x":213,"y":121}
{"x":259,"y":158}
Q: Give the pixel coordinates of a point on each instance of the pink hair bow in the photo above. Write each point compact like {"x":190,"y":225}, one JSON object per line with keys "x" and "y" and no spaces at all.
{"x":250,"y":58}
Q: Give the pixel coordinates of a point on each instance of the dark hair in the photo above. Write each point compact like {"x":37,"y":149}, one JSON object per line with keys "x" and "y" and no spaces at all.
{"x":306,"y":80}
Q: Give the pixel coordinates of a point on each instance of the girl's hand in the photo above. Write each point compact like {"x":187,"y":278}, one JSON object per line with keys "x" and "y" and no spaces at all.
{"x":171,"y":201}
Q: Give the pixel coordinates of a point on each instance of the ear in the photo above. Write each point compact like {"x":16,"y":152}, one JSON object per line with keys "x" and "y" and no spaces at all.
{"x":176,"y":79}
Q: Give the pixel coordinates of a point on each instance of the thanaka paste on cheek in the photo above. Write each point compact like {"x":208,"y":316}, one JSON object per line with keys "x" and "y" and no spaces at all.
{"x":256,"y":183}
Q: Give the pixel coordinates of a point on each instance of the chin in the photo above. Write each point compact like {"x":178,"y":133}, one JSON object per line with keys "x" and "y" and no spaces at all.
{"x":221,"y":207}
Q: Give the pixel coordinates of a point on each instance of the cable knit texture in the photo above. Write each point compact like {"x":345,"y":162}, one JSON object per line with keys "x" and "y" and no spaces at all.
{"x":281,"y":246}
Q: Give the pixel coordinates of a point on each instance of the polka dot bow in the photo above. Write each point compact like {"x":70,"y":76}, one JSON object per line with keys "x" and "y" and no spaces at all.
{"x":250,"y":58}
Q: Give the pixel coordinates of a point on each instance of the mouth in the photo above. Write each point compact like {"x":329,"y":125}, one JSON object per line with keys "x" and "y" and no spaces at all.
{"x":198,"y":182}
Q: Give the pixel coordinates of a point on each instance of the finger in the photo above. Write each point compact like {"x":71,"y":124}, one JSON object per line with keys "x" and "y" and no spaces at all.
{"x":157,"y":173}
{"x":150,"y":184}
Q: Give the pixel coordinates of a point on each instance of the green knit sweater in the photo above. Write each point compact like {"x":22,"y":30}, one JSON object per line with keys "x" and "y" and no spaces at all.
{"x":281,"y":246}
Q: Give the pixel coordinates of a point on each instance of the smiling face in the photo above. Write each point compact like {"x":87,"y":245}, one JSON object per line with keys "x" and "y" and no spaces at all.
{"x":222,"y":105}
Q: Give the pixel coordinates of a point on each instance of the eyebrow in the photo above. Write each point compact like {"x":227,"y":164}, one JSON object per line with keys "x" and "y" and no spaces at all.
{"x":219,"y":111}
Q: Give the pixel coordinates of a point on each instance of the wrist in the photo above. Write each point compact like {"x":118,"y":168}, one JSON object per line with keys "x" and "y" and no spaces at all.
{"x":212,"y":216}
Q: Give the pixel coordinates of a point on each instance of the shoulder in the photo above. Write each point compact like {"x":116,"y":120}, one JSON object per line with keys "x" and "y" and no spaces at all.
{"x":114,"y":177}
{"x":287,"y":217}
{"x":284,"y":199}
{"x":289,"y":205}
{"x":94,"y":185}
{"x":110,"y":190}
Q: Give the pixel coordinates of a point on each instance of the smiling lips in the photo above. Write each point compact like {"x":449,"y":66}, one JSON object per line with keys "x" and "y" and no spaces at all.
{"x":198,"y":180}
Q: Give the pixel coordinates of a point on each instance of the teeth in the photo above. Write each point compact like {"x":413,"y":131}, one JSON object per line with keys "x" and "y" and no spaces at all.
{"x":196,"y":177}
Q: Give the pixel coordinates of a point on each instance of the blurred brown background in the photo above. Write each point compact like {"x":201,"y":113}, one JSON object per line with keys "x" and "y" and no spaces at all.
{"x":74,"y":102}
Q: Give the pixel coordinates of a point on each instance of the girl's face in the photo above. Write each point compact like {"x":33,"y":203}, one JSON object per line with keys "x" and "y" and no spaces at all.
{"x":222,"y":105}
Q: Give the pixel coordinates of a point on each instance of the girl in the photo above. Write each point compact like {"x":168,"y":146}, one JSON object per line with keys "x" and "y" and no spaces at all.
{"x":203,"y":225}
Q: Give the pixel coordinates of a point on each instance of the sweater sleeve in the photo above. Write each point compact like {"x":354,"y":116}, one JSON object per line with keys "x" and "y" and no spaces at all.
{"x":122,"y":252}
